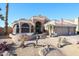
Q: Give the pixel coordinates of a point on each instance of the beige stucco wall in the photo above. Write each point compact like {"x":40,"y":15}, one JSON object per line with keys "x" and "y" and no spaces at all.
{"x":20,"y":23}
{"x":32,"y":22}
{"x":41,"y":19}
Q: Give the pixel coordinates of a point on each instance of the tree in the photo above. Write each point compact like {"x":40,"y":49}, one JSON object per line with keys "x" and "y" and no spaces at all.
{"x":6,"y":19}
{"x":1,"y":16}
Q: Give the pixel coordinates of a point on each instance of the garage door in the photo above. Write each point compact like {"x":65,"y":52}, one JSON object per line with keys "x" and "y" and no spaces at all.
{"x":72,"y":31}
{"x":61,"y":30}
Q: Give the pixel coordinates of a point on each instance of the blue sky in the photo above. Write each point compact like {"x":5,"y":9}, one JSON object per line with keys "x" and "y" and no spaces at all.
{"x":51,"y":10}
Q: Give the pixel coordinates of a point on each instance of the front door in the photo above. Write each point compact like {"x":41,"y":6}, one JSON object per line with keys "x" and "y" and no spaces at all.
{"x":38,"y":27}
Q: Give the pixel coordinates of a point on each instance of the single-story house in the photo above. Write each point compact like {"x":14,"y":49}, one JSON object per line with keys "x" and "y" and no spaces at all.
{"x":40,"y":24}
{"x":28,"y":27}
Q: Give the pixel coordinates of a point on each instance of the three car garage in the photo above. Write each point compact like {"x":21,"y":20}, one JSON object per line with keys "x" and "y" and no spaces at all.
{"x":64,"y":30}
{"x":61,"y":28}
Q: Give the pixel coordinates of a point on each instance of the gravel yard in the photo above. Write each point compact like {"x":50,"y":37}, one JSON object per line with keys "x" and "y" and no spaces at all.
{"x":68,"y":50}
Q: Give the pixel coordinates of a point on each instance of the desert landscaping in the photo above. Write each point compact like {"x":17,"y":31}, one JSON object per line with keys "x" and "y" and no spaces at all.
{"x":25,"y":32}
{"x":53,"y":50}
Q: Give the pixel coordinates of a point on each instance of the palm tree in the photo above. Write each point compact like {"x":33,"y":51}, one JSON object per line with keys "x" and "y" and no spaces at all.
{"x":6,"y":19}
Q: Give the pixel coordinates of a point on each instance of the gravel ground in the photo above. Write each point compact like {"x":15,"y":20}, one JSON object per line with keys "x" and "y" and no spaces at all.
{"x":28,"y":51}
{"x":69,"y":50}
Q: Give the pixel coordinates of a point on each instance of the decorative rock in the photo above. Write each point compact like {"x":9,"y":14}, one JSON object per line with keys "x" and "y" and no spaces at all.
{"x":6,"y":53}
{"x":19,"y":39}
{"x":63,"y":42}
{"x":44,"y":50}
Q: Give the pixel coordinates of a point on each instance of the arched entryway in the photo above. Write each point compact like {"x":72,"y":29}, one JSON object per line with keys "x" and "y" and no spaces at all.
{"x":16,"y":29}
{"x":25,"y":28}
{"x":38,"y":26}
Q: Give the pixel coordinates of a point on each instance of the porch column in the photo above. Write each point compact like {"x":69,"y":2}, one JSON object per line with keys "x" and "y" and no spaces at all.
{"x":14,"y":29}
{"x":30,"y":28}
{"x":41,"y":27}
{"x":19,"y":27}
{"x":34,"y":29}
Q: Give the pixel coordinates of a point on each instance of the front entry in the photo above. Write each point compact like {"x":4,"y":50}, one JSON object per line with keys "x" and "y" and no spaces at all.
{"x":38,"y":27}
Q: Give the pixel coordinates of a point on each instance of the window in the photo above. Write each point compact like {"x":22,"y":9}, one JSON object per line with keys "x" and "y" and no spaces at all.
{"x":17,"y":29}
{"x":25,"y":28}
{"x":32,"y":29}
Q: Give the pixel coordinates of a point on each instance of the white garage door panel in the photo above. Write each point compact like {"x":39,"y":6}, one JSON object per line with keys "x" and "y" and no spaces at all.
{"x":61,"y":30}
{"x":72,"y":31}
{"x":65,"y":31}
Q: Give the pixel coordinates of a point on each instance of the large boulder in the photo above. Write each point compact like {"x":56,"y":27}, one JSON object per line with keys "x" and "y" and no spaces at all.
{"x":18,"y":39}
{"x":63,"y":42}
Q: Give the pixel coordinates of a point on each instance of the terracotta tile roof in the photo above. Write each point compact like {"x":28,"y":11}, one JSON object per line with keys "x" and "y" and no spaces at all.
{"x":61,"y":23}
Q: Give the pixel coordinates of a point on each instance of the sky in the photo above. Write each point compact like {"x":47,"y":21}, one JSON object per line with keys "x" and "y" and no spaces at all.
{"x":50,"y":10}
